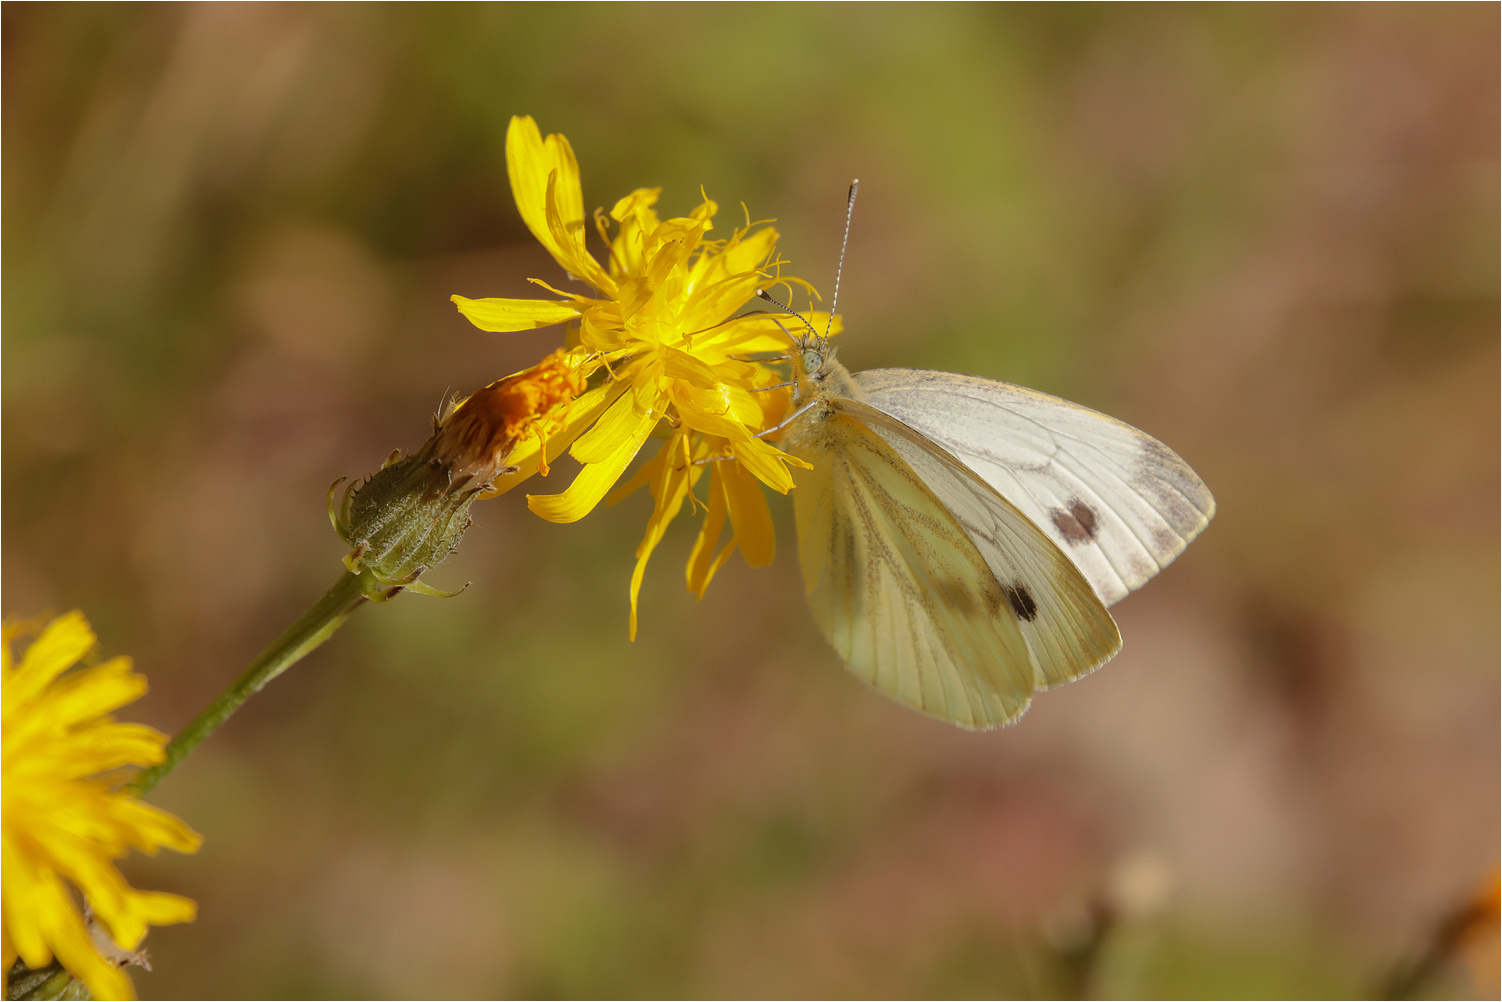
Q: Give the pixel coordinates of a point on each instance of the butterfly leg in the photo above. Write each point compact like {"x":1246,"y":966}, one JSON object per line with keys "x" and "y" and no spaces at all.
{"x":789,"y":419}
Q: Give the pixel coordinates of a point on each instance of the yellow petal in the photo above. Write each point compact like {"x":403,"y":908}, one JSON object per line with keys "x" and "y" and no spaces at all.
{"x":530,"y":161}
{"x":701,"y":562}
{"x":719,"y":300}
{"x":643,"y":476}
{"x":670,"y":491}
{"x":69,"y":938}
{"x":765,"y":462}
{"x":93,"y":750}
{"x":150,"y":828}
{"x":161,"y":908}
{"x":64,"y":823}
{"x":749,"y":516}
{"x":594,"y":480}
{"x":8,"y":957}
{"x":108,"y":687}
{"x":26,"y":894}
{"x":748,"y":253}
{"x":634,"y":293}
{"x":745,"y":406}
{"x":639,"y":200}
{"x":762,"y":333}
{"x":61,"y":644}
{"x":714,"y":425}
{"x":681,"y":365}
{"x":501,"y":315}
{"x":545,"y":177}
{"x":634,"y":213}
{"x":601,"y":330}
{"x":44,"y":923}
{"x":615,"y":426}
{"x":568,"y":236}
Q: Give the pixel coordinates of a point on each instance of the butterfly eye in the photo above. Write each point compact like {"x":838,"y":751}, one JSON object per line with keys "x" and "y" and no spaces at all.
{"x":813,"y":361}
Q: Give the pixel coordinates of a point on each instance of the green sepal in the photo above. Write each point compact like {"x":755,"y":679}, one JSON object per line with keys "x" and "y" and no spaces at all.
{"x":402,"y":522}
{"x":50,"y":982}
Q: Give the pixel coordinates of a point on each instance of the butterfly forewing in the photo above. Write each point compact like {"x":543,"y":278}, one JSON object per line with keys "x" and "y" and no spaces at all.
{"x":1068,"y":631}
{"x":898,"y":585}
{"x":1120,"y":503}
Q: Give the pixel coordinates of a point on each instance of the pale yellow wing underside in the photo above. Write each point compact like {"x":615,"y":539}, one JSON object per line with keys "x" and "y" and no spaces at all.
{"x":900,"y":546}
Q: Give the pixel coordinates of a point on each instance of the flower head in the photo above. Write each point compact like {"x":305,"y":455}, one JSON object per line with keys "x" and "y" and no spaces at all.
{"x":64,"y":821}
{"x":660,"y":323}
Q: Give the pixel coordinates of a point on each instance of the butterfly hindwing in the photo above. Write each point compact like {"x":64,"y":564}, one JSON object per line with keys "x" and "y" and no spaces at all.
{"x":899,"y":587}
{"x":1118,"y":501}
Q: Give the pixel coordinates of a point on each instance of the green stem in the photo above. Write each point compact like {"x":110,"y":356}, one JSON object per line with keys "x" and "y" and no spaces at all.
{"x":315,"y":626}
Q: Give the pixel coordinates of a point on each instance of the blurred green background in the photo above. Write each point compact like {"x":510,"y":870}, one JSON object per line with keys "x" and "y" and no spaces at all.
{"x":1265,"y":234}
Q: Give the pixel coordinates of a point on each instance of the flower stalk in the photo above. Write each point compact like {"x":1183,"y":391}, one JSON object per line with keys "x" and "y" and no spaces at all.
{"x":401,"y":523}
{"x":301,"y":638}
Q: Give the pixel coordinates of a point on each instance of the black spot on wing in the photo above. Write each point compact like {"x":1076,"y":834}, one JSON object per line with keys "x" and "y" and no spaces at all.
{"x":1077,"y":525}
{"x":1021,"y":601}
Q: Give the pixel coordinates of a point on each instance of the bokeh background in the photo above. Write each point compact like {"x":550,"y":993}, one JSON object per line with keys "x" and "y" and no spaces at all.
{"x":1267,"y":235}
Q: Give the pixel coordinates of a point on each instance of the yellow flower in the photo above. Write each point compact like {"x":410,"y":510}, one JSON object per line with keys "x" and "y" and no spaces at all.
{"x":64,"y":822}
{"x":660,"y":322}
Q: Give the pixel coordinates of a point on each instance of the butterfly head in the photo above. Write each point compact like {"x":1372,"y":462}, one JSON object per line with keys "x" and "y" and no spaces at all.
{"x":814,"y":356}
{"x":811,"y":352}
{"x":818,"y":375}
{"x":814,"y":364}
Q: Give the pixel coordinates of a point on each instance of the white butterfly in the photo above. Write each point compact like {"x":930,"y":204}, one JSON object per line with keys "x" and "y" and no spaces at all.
{"x":961,"y":538}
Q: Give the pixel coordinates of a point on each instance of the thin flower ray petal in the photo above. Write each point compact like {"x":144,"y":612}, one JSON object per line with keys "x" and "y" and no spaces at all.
{"x":108,"y":687}
{"x":592,"y":483}
{"x":59,"y":648}
{"x":533,"y":164}
{"x":750,"y":517}
{"x":616,"y":425}
{"x":567,"y":231}
{"x":699,"y":570}
{"x":506,"y":315}
{"x":670,"y":490}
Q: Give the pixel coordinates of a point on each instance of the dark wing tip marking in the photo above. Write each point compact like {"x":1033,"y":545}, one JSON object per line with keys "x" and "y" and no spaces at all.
{"x":1077,"y":525}
{"x":1166,"y":541}
{"x":1021,"y":601}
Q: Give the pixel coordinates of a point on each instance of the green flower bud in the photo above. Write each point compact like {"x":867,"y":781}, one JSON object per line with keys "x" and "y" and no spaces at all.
{"x":410,"y":516}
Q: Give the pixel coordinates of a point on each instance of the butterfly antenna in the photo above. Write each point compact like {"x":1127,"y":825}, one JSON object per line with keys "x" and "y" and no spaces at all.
{"x":855,"y":187}
{"x":764,"y":294}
